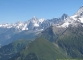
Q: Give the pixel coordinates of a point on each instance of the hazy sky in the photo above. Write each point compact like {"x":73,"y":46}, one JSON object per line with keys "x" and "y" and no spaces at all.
{"x":12,"y":11}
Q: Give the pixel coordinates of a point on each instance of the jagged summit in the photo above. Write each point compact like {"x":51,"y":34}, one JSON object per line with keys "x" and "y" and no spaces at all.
{"x":80,"y":12}
{"x":64,"y":16}
{"x":34,"y":18}
{"x":81,"y":7}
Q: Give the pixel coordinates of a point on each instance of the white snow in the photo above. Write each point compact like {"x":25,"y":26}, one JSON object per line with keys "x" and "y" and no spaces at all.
{"x":65,"y":24}
{"x":36,"y":25}
{"x":5,"y":25}
{"x":81,"y":19}
{"x":33,"y":21}
{"x":74,"y":17}
{"x":25,"y":27}
{"x":41,"y":20}
{"x":18,"y":25}
{"x":41,"y":29}
{"x":0,"y":25}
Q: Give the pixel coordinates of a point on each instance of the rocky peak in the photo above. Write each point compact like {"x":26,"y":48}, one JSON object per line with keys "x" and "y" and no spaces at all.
{"x":80,"y":12}
{"x":64,"y":16}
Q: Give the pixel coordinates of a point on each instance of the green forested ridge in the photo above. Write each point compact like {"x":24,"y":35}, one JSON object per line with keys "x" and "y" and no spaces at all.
{"x":10,"y":50}
{"x":40,"y":49}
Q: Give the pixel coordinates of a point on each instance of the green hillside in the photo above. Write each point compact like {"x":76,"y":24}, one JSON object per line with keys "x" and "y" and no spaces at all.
{"x":69,"y":39}
{"x":40,"y":49}
{"x":12,"y":49}
{"x":72,"y":41}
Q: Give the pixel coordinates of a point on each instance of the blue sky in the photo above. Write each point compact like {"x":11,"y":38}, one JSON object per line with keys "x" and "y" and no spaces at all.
{"x":12,"y":11}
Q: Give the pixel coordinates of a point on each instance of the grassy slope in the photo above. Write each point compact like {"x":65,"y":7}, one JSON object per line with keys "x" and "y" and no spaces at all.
{"x":40,"y":49}
{"x":72,"y":41}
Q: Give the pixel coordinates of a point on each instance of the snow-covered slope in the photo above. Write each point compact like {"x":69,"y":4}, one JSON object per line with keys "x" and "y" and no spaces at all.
{"x":18,"y":25}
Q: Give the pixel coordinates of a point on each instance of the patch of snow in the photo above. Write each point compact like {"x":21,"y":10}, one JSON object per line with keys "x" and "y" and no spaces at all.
{"x":74,"y":17}
{"x":41,"y":20}
{"x":36,"y":25}
{"x":25,"y":27}
{"x":81,"y":19}
{"x":0,"y":25}
{"x":65,"y":24}
{"x":42,"y":29}
{"x":33,"y":21}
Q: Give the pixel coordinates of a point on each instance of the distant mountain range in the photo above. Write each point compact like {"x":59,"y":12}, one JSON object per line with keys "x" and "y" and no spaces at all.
{"x":32,"y":27}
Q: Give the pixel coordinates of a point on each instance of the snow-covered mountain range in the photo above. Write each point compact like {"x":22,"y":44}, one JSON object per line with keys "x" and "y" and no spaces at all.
{"x":32,"y":27}
{"x":35,"y":26}
{"x":34,"y":23}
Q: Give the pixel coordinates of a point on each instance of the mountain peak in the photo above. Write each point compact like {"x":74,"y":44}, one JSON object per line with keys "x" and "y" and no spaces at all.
{"x":34,"y":18}
{"x":64,"y":16}
{"x":78,"y":15}
{"x":80,"y":11}
{"x":81,"y":7}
